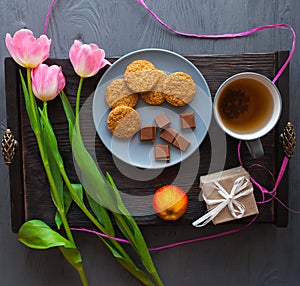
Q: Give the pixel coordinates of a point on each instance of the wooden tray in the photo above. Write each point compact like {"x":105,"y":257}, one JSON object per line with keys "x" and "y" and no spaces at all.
{"x":30,"y":198}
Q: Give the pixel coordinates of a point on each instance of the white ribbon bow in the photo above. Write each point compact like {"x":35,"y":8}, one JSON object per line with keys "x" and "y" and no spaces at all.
{"x":236,"y":208}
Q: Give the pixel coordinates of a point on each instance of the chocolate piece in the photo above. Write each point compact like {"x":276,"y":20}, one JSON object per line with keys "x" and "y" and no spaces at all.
{"x":162,"y":120}
{"x":162,"y":152}
{"x":187,"y":120}
{"x":181,"y":142}
{"x":148,"y":133}
{"x":169,"y":134}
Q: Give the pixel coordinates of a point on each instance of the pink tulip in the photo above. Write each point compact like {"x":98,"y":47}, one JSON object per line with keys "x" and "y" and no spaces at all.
{"x":47,"y":81}
{"x":26,"y":50}
{"x":87,"y":60}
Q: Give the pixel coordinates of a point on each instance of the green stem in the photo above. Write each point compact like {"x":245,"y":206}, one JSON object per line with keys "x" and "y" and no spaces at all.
{"x":45,"y":108}
{"x":78,"y":97}
{"x":77,"y":107}
{"x":31,"y":96}
{"x":77,"y":199}
{"x":83,"y":277}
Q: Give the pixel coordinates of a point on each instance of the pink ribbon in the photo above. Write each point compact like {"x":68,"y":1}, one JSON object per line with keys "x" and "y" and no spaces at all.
{"x":48,"y":16}
{"x":171,"y":245}
{"x":235,"y":35}
{"x":263,"y":190}
{"x":213,"y":36}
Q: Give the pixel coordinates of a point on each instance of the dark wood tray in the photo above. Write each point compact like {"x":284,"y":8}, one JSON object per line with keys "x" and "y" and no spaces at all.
{"x":30,"y":198}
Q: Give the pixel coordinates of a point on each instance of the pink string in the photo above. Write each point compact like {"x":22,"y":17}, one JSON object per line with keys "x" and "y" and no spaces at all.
{"x":213,"y":36}
{"x":100,"y":234}
{"x":263,"y":190}
{"x":235,"y":35}
{"x":171,"y":245}
{"x":48,"y":16}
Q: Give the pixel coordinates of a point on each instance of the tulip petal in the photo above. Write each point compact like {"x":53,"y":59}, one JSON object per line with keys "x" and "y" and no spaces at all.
{"x":26,"y":50}
{"x":87,"y":60}
{"x":47,"y":82}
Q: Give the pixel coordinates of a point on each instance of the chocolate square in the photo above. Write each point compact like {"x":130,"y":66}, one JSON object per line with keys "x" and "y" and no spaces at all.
{"x":169,"y":134}
{"x":162,"y":120}
{"x":148,"y":133}
{"x":162,"y":152}
{"x":187,"y":120}
{"x":181,"y":142}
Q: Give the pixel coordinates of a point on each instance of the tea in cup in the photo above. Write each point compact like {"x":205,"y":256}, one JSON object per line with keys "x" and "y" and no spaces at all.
{"x":247,"y":106}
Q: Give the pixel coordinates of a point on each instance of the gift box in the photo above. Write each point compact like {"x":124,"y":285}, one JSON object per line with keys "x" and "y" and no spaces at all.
{"x":228,"y":195}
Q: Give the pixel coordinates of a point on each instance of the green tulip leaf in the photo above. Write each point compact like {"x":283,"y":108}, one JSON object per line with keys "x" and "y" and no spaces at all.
{"x":38,"y":235}
{"x":102,"y":216}
{"x":73,"y":256}
{"x":91,"y":178}
{"x":30,"y":104}
{"x":50,"y":137}
{"x":67,"y":202}
{"x":69,"y":113}
{"x":78,"y":190}
{"x":130,"y":229}
{"x":126,"y":262}
{"x":58,"y":196}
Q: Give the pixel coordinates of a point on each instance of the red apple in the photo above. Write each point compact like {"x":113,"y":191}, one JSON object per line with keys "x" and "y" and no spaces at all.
{"x":170,"y":202}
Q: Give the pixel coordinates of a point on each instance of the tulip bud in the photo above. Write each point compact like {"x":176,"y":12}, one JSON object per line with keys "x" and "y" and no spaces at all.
{"x":87,"y":60}
{"x":26,"y":50}
{"x":47,"y":81}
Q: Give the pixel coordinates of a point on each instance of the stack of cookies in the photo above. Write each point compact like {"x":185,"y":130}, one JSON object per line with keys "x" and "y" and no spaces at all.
{"x":143,"y":79}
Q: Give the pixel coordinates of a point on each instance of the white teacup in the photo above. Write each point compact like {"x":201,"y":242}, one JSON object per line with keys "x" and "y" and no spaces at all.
{"x":247,"y":106}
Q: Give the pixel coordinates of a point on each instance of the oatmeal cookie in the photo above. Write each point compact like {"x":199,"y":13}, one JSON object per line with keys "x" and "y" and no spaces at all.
{"x":117,"y":93}
{"x":139,"y":65}
{"x":179,"y":89}
{"x":123,"y":121}
{"x":142,"y":81}
{"x":156,"y":96}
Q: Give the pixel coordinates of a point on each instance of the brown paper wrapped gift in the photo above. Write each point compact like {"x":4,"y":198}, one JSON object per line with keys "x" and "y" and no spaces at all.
{"x":241,"y":202}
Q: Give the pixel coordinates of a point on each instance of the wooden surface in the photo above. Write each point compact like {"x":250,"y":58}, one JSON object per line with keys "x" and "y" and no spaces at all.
{"x":137,"y":191}
{"x":261,"y":255}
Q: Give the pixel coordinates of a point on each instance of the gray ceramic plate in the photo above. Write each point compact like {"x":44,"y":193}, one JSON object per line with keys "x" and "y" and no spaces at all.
{"x":141,"y":154}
